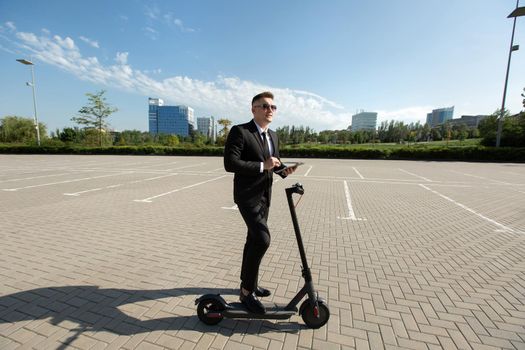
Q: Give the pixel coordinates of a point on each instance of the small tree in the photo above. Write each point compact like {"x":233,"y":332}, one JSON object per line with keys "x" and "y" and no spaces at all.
{"x":94,"y":115}
{"x":223,"y":134}
{"x":225,"y":123}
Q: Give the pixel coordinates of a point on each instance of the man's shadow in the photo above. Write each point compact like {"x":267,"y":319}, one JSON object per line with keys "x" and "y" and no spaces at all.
{"x":95,"y":309}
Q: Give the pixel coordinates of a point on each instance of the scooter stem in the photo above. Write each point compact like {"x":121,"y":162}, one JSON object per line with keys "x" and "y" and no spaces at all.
{"x":298,"y":188}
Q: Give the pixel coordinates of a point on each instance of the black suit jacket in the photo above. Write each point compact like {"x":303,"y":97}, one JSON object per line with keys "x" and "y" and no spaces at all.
{"x":243,"y":154}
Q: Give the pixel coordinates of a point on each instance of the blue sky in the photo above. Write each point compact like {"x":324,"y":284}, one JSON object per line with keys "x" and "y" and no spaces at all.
{"x":324,"y":60}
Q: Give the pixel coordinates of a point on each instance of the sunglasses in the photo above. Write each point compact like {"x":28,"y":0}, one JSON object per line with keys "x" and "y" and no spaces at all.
{"x":267,"y":106}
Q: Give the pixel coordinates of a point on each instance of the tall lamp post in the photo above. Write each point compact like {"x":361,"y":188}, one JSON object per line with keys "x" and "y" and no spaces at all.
{"x":519,"y":11}
{"x":29,"y":63}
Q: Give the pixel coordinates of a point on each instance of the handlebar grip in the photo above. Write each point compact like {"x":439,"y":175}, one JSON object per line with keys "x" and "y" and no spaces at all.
{"x":296,"y":188}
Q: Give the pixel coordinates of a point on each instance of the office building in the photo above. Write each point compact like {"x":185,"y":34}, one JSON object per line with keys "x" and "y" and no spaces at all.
{"x":173,"y":120}
{"x":364,"y":121}
{"x":471,"y":121}
{"x":439,"y":116}
{"x":208,"y":127}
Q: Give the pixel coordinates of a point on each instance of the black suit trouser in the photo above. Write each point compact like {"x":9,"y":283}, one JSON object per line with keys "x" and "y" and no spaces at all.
{"x":257,"y":242}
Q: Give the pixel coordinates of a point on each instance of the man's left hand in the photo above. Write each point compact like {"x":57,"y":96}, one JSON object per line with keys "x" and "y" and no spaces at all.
{"x":289,"y":170}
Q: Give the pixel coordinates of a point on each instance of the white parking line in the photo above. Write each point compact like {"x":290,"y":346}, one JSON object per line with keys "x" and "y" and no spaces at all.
{"x":484,"y":178}
{"x":63,"y":182}
{"x":34,"y":177}
{"x":358,"y":173}
{"x":235,"y":207}
{"x":116,"y":185}
{"x":351,"y":214}
{"x":308,"y":171}
{"x":187,"y":166}
{"x":409,"y":173}
{"x":148,"y":200}
{"x":154,"y":165}
{"x":503,"y":227}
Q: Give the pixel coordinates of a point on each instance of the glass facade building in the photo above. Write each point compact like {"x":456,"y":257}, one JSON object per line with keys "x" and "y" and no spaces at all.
{"x":364,"y":121}
{"x":172,"y":120}
{"x":439,"y":116}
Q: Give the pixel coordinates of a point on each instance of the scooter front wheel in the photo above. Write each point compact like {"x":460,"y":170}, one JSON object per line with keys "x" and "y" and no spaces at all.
{"x":315,"y":318}
{"x":209,"y":311}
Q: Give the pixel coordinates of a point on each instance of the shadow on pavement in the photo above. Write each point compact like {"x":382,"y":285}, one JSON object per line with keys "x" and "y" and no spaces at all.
{"x":95,"y":309}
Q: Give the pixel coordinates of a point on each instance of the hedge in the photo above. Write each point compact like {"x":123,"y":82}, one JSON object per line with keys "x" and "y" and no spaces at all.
{"x":115,"y":150}
{"x":467,"y":153}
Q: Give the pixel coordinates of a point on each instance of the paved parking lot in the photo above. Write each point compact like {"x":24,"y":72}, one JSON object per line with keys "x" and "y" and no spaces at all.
{"x":108,"y":252}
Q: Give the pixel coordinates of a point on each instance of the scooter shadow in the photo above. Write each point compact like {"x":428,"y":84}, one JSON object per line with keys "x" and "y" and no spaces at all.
{"x":96,"y":309}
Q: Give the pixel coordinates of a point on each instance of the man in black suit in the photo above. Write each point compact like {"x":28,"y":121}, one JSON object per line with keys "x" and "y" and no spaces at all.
{"x":252,"y":153}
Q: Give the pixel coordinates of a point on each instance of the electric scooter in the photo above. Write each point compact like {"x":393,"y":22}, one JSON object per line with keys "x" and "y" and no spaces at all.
{"x":212,"y":308}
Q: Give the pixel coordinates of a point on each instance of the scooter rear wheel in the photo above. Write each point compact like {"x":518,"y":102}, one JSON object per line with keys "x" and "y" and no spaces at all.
{"x":209,"y":311}
{"x":310,"y":318}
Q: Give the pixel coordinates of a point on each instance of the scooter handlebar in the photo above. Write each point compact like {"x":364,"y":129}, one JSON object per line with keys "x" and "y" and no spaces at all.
{"x":296,"y":188}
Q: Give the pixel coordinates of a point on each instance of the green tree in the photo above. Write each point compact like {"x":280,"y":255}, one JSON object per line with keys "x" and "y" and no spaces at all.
{"x":19,"y":129}
{"x":172,"y":140}
{"x":325,"y":136}
{"x":426,"y":132}
{"x":462,"y":132}
{"x":95,"y":113}
{"x":523,"y":95}
{"x":133,"y":137}
{"x":223,"y":133}
{"x":513,"y":131}
{"x":436,"y":134}
{"x":284,"y":134}
{"x":225,"y":123}
{"x":74,"y":135}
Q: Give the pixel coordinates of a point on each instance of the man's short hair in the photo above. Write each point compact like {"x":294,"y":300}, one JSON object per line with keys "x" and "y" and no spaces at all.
{"x":265,"y":94}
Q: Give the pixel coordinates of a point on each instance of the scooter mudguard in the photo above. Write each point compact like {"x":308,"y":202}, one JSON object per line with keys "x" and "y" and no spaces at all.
{"x":216,"y":297}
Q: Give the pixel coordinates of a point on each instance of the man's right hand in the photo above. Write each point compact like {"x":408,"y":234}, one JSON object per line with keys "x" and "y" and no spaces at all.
{"x":271,"y":163}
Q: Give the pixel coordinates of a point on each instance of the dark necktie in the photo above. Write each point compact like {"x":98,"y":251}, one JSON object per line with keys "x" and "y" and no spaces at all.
{"x":266,"y":151}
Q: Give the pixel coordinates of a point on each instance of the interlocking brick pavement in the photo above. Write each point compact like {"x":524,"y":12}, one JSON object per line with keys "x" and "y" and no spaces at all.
{"x":106,"y":252}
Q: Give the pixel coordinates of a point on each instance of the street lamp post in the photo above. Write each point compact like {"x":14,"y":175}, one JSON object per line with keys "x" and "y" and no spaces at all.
{"x":30,"y":63}
{"x":519,"y":11}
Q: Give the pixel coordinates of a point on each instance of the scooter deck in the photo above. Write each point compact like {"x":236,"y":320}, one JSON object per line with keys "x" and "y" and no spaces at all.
{"x":273,"y":311}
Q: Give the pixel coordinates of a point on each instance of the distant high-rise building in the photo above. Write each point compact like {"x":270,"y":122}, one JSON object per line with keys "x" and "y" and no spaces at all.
{"x":439,"y":116}
{"x":364,"y":121}
{"x":154,"y":104}
{"x":175,"y":120}
{"x":208,"y":127}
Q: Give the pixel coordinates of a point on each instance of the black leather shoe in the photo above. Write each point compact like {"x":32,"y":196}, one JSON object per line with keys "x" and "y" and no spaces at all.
{"x":252,"y":303}
{"x":262,"y":292}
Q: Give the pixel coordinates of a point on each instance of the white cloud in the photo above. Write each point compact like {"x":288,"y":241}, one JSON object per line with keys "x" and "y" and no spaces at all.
{"x":152,"y":12}
{"x":181,"y":26}
{"x":151,"y":33}
{"x":122,"y":57}
{"x":407,"y":115}
{"x":170,"y":19}
{"x":11,"y":26}
{"x":225,"y":96}
{"x":153,"y":71}
{"x":90,"y":42}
